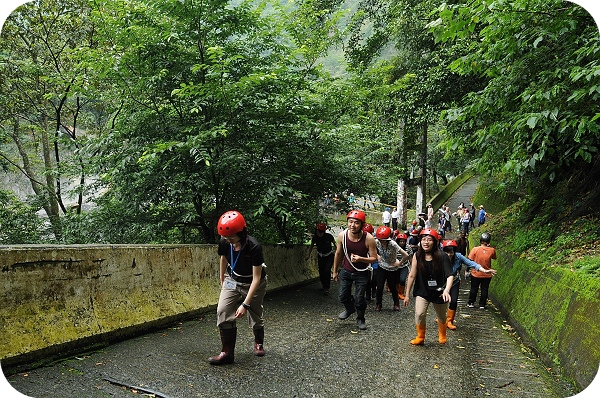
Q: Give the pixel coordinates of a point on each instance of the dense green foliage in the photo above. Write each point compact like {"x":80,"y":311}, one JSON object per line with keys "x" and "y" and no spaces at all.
{"x":537,"y":115}
{"x":19,"y":223}
{"x":163,"y":114}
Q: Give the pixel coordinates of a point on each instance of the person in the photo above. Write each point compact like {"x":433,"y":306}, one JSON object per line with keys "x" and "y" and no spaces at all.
{"x":457,"y":260}
{"x":351,"y":199}
{"x":465,"y":220}
{"x":355,"y":251}
{"x":431,"y":275}
{"x":421,"y":219}
{"x":401,"y":240}
{"x":442,"y":225}
{"x":462,"y":243}
{"x":243,"y":277}
{"x":472,"y":210}
{"x":429,"y":222}
{"x":412,"y":227}
{"x":482,"y":215}
{"x":371,"y":291}
{"x":448,"y":214}
{"x":386,"y":217}
{"x":325,"y":243}
{"x":395,"y":215}
{"x":413,"y":240}
{"x":430,"y":211}
{"x":389,"y":257}
{"x":482,"y":254}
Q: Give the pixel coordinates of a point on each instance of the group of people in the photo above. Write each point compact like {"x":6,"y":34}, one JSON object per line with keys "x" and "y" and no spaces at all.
{"x":465,"y":217}
{"x":368,"y":258}
{"x":361,"y":257}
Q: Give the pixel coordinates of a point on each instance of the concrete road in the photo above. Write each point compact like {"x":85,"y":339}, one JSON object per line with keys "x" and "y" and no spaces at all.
{"x":311,"y":353}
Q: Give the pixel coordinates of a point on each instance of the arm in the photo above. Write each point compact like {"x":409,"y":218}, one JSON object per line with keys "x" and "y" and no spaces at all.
{"x":222,"y":269}
{"x":339,"y":255}
{"x":404,"y":254}
{"x":446,"y":292}
{"x":312,"y":244}
{"x":372,"y":248}
{"x":410,"y":280}
{"x":472,"y":264}
{"x":256,"y":277}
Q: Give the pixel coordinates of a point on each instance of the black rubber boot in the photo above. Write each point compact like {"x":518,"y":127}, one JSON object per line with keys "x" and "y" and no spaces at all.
{"x":360,"y":320}
{"x":259,"y":337}
{"x":228,"y":337}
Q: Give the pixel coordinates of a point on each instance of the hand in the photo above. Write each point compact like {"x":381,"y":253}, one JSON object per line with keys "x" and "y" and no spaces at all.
{"x":241,"y":311}
{"x":406,"y":300}
{"x":491,"y":271}
{"x":335,"y":276}
{"x":446,"y":296}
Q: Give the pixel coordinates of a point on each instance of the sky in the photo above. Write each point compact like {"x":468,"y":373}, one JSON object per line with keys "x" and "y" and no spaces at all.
{"x":8,"y":6}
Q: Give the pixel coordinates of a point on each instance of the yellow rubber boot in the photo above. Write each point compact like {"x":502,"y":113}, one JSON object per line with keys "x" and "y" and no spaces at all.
{"x":450,"y":319}
{"x":420,"y":339}
{"x":442,"y":332}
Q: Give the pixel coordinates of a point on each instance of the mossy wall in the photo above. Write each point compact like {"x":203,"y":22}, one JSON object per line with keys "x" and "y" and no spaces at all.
{"x":61,"y":299}
{"x":438,"y":200}
{"x":554,"y":310}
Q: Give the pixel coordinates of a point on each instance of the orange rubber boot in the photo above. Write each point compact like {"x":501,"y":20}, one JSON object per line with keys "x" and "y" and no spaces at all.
{"x":400,"y":291}
{"x":442,"y":332}
{"x":450,"y":319}
{"x":420,"y":339}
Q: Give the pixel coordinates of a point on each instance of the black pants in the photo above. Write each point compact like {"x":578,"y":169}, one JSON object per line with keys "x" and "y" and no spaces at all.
{"x":372,"y":285}
{"x":485,"y":286}
{"x":392,"y":278}
{"x":454,"y":290}
{"x":325,"y":264}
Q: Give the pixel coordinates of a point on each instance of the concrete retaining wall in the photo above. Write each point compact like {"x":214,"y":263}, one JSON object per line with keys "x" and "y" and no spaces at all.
{"x":60,"y":299}
{"x":554,"y":310}
{"x":438,"y":200}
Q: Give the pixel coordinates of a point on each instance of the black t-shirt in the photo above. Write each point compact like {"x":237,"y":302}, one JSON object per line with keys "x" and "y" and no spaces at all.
{"x":428,"y":272}
{"x":249,"y":256}
{"x":325,"y":243}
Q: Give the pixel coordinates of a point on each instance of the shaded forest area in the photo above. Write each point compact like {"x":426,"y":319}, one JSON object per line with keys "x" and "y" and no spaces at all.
{"x":143,"y":121}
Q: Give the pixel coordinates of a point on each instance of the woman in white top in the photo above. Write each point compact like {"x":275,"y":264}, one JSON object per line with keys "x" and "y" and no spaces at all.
{"x":389,"y":257}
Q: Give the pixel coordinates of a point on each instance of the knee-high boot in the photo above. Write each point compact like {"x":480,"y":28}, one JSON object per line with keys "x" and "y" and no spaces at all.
{"x":420,"y":339}
{"x":442,"y":332}
{"x":360,"y":320}
{"x":450,"y":319}
{"x":400,"y":291}
{"x":228,"y":338}
{"x":259,"y":337}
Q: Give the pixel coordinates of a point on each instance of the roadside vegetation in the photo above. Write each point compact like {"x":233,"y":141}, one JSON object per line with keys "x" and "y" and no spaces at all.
{"x":543,"y":227}
{"x":142,"y":121}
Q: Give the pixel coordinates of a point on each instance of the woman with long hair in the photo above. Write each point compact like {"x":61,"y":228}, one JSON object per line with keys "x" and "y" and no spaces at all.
{"x":431,"y":275}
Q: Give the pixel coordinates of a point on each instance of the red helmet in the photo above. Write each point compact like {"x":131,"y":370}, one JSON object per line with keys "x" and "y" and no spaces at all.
{"x":321,"y":227}
{"x":368,"y":228}
{"x":359,"y":215}
{"x":414,"y":232}
{"x":431,"y":232}
{"x":383,"y":232}
{"x":230,"y":223}
{"x":449,"y":243}
{"x":402,"y":235}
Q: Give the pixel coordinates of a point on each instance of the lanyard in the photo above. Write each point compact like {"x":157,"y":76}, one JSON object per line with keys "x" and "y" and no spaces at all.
{"x":232,"y":261}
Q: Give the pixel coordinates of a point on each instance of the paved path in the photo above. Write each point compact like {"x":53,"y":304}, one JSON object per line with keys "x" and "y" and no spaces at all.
{"x":310,"y":353}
